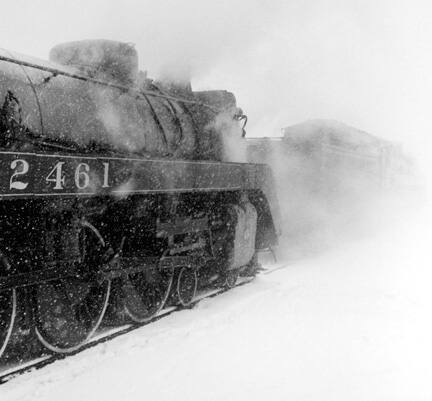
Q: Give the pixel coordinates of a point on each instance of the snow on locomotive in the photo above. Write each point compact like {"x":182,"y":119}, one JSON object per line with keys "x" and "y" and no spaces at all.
{"x":115,"y":193}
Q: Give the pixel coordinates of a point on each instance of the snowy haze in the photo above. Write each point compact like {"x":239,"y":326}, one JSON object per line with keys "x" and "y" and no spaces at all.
{"x":351,"y":324}
{"x":365,"y":63}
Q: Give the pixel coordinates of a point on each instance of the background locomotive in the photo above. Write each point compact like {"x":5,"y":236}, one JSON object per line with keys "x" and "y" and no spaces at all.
{"x":116,"y":190}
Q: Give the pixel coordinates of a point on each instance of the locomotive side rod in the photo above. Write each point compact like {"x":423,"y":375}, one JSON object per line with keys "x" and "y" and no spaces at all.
{"x":118,"y":267}
{"x":124,"y":266}
{"x":16,"y":280}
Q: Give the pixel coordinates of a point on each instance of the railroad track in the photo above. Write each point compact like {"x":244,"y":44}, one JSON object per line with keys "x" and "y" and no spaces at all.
{"x":102,"y":337}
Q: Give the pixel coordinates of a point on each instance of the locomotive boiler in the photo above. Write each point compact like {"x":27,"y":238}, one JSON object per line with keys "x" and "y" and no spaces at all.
{"x":116,"y":193}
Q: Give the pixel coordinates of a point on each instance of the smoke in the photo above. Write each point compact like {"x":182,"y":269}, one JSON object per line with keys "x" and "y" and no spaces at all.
{"x":234,"y":148}
{"x":119,"y":116}
{"x":332,"y":195}
{"x":173,"y":38}
{"x":365,"y":63}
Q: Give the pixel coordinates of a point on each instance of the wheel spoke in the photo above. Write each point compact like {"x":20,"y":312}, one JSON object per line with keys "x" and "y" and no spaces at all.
{"x":187,"y":283}
{"x":69,"y":311}
{"x":144,"y":294}
{"x":7,"y":317}
{"x":84,"y":313}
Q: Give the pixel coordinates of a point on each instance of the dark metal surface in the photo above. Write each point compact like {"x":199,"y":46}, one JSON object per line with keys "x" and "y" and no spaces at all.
{"x":35,"y":175}
{"x":119,"y":267}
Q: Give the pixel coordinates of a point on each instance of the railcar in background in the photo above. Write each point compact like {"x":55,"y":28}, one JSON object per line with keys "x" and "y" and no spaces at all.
{"x":328,"y":171}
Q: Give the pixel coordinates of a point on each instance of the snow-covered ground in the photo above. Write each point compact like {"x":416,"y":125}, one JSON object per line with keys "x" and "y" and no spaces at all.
{"x":353,"y":323}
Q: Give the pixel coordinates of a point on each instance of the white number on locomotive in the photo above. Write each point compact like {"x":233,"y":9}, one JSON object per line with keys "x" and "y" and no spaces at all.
{"x":21,"y":167}
{"x":56,"y":176}
{"x":82,"y":178}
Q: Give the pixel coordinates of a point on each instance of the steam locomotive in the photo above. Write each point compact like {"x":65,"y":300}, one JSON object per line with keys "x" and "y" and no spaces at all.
{"x":116,"y":193}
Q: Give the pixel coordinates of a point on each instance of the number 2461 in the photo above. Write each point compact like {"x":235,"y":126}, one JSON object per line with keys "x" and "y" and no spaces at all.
{"x":56,"y":176}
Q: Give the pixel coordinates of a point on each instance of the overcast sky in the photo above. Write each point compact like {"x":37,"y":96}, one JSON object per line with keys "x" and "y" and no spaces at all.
{"x":366,"y":63}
